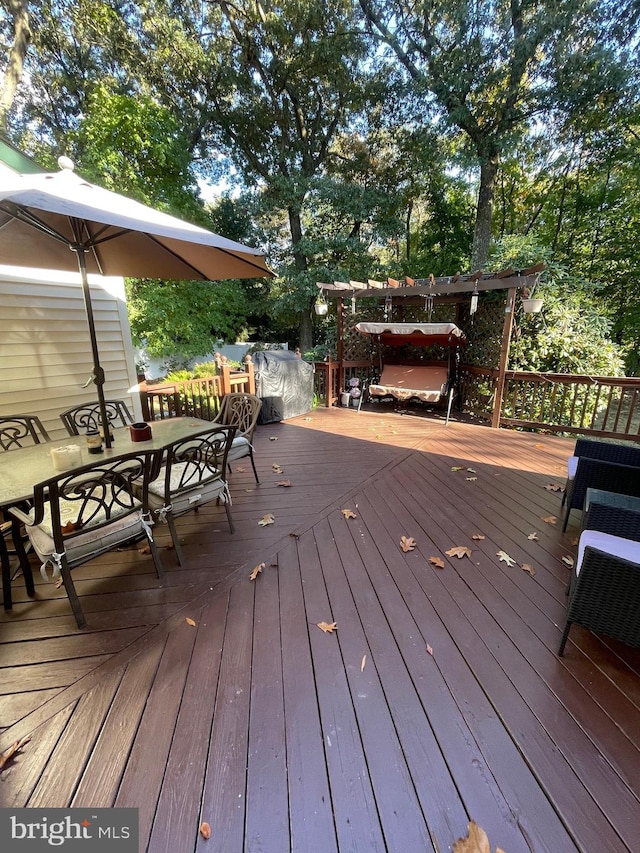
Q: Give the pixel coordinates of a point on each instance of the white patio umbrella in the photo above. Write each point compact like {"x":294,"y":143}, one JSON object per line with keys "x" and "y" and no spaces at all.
{"x":66,"y":223}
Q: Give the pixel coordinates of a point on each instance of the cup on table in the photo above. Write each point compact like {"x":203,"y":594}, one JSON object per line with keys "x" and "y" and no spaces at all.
{"x":69,"y":456}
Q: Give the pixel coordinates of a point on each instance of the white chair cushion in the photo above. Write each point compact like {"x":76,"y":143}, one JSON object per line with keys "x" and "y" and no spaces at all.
{"x":572,"y":466}
{"x":199,"y":494}
{"x":240,"y":448}
{"x":627,"y":549}
{"x":85,"y":544}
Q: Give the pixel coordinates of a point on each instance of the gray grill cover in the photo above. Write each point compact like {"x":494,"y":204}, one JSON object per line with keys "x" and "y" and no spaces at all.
{"x":284,"y":383}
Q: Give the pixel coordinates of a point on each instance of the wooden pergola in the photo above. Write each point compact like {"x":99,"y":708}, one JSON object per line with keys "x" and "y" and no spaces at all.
{"x":456,"y":290}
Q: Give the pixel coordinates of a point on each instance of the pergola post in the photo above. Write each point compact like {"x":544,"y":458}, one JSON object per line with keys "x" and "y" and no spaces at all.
{"x":507,"y":326}
{"x":340,"y":347}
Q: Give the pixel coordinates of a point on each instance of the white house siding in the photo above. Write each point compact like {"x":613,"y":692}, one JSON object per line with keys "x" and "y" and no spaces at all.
{"x":45,"y":349}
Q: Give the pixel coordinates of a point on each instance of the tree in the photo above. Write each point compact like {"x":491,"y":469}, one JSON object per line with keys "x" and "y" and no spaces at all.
{"x":19,"y":12}
{"x":492,"y":69}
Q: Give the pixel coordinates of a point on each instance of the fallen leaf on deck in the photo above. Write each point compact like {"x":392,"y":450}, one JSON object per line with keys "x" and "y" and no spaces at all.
{"x":437,"y":561}
{"x":205,"y":831}
{"x":241,"y":470}
{"x":476,"y":841}
{"x":575,"y":540}
{"x":269,"y":518}
{"x":527,"y":568}
{"x":471,"y":479}
{"x":348,"y":513}
{"x":472,"y":470}
{"x":540,"y":446}
{"x":457,"y":468}
{"x":327,"y":627}
{"x":8,"y":754}
{"x":308,"y":419}
{"x":429,"y":650}
{"x":458,"y":551}
{"x":144,"y":550}
{"x":284,"y":483}
{"x":407,"y":543}
{"x":256,"y":571}
{"x":568,"y":560}
{"x":478,"y":536}
{"x":550,"y":519}
{"x":533,"y":536}
{"x":554,"y":487}
{"x":505,"y":558}
{"x":363,"y":662}
{"x":249,"y":490}
{"x":273,"y":438}
{"x":59,"y":582}
{"x":190,"y":621}
{"x":277,"y":468}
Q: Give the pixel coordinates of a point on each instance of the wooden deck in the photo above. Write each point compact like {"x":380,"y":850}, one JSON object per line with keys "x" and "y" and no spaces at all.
{"x":438,"y":699}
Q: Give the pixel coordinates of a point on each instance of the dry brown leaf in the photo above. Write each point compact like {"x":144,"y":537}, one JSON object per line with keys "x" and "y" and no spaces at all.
{"x":348,"y":513}
{"x":407,"y":543}
{"x":8,"y":754}
{"x":540,"y":446}
{"x":429,"y":649}
{"x":533,"y":536}
{"x":284,"y":483}
{"x":505,"y":558}
{"x":478,"y":536}
{"x":550,"y":519}
{"x":273,"y":438}
{"x":437,"y":561}
{"x":527,"y":568}
{"x":59,"y":582}
{"x":554,"y":487}
{"x":269,"y":518}
{"x":363,"y":662}
{"x":457,"y":468}
{"x":144,"y":550}
{"x":568,"y":560}
{"x":277,"y":468}
{"x":458,"y":551}
{"x":471,"y":479}
{"x":205,"y":831}
{"x":327,"y":627}
{"x":575,"y":540}
{"x":476,"y":841}
{"x":472,"y":470}
{"x":241,"y":470}
{"x":256,"y":571}
{"x":190,"y":621}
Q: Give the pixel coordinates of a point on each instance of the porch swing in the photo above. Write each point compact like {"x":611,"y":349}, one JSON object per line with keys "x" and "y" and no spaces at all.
{"x":430,"y":383}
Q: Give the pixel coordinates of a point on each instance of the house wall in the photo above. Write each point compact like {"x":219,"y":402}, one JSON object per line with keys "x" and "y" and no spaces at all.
{"x":45,"y":349}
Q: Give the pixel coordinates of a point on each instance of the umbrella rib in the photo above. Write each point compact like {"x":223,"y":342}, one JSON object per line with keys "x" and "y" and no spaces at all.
{"x":23,"y":215}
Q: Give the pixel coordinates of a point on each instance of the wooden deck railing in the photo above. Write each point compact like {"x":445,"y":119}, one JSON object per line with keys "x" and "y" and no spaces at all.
{"x":605,"y":406}
{"x":198,"y":398}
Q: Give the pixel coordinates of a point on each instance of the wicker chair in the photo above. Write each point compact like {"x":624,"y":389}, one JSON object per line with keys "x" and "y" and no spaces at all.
{"x":16,"y":429}
{"x":241,"y":411}
{"x":604,"y":588}
{"x":87,"y":416}
{"x":607,"y":451}
{"x":599,"y":474}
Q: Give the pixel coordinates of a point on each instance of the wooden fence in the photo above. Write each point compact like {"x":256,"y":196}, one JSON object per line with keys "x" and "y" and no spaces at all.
{"x":196,"y":398}
{"x":603,"y":406}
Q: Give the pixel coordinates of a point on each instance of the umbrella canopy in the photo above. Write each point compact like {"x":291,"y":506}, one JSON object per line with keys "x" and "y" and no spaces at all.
{"x":69,"y":224}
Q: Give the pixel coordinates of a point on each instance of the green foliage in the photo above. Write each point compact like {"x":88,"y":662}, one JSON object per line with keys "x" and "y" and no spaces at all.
{"x":182,"y":318}
{"x":571,"y":335}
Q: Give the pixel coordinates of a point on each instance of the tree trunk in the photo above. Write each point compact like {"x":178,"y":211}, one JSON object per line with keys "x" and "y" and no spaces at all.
{"x":13,"y":71}
{"x":305,"y":327}
{"x":484,"y":212}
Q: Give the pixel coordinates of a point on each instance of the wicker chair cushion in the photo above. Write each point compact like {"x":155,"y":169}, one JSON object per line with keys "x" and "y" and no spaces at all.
{"x":572,"y":465}
{"x":613,"y":545}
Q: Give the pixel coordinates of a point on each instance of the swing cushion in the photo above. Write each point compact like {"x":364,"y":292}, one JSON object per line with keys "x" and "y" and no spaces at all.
{"x":426,"y":383}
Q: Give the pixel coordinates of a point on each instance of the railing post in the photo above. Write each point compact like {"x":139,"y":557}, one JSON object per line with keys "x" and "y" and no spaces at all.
{"x":226,"y":378}
{"x":509,"y":310}
{"x":328,"y":381}
{"x":251,"y":371}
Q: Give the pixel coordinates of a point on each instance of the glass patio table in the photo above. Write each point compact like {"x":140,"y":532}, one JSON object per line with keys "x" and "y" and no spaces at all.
{"x":22,"y":468}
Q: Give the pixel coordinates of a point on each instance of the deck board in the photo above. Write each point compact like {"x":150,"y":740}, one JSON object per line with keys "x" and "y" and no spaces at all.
{"x":439,"y":698}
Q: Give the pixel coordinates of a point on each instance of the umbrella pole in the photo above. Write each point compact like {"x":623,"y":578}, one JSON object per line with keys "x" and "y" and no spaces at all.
{"x":98,"y":372}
